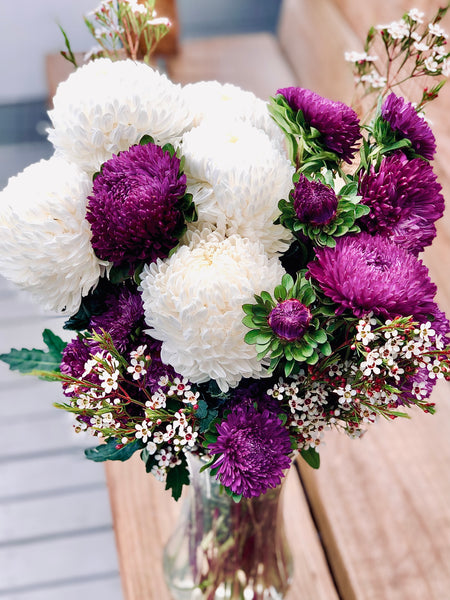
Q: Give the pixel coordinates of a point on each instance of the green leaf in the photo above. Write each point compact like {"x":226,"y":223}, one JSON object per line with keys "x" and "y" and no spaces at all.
{"x":248,"y":321}
{"x":109,"y":451}
{"x":312,"y":457}
{"x":326,"y":349}
{"x":69,"y":55}
{"x":287,"y":281}
{"x":146,"y":139}
{"x":177,"y":477}
{"x":28,"y":361}
{"x":266,"y":297}
{"x":54,"y":343}
{"x":280,"y":292}
{"x":318,"y":336}
{"x":251,"y":337}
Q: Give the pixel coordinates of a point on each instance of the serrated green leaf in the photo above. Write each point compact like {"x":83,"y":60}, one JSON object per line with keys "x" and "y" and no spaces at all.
{"x":109,"y":451}
{"x":311,"y":456}
{"x":177,"y":477}
{"x":28,"y":361}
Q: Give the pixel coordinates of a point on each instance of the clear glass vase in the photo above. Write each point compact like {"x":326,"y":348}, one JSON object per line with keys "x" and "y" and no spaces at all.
{"x":223,"y":550}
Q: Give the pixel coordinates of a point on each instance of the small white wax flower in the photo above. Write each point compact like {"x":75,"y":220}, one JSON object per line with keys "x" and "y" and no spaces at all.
{"x":416,"y":15}
{"x":354,"y":57}
{"x":437,"y":30}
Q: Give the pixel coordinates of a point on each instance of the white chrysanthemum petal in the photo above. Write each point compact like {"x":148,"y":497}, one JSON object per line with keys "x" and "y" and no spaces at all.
{"x":237,"y":177}
{"x":45,"y":243}
{"x":193,"y":303}
{"x":105,"y":107}
{"x":211,"y":99}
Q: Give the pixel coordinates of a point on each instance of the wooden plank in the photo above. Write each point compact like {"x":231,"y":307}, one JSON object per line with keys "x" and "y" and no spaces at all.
{"x":48,"y":475}
{"x":253,"y":62}
{"x":101,"y":587}
{"x":46,"y":561}
{"x":32,"y":518}
{"x":313,"y":37}
{"x":144,"y":516}
{"x":382,"y":507}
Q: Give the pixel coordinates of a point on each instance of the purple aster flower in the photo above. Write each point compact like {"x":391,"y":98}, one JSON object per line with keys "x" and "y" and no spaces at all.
{"x":403,"y":119}
{"x":366,"y":273}
{"x":289,"y":320}
{"x":314,"y":202}
{"x":254,"y":449}
{"x":133,"y":210}
{"x":405,"y":201}
{"x":121,"y":318}
{"x":337,"y":122}
{"x":74,"y":357}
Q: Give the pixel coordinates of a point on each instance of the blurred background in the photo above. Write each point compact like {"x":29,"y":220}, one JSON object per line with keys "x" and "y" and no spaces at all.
{"x":29,"y":31}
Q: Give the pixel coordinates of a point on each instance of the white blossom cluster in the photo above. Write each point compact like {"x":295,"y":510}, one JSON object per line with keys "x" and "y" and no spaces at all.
{"x":307,"y":413}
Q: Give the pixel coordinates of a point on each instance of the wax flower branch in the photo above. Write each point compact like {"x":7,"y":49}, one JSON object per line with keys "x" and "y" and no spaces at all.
{"x":240,"y":276}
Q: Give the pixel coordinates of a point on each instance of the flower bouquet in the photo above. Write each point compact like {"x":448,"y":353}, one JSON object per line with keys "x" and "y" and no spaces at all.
{"x":241,"y":276}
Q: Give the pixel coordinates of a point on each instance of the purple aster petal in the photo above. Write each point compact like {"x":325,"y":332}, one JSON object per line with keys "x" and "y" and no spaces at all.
{"x":253,"y":450}
{"x":403,"y":118}
{"x":366,"y":273}
{"x":405,"y":200}
{"x":289,"y":319}
{"x":337,"y":122}
{"x":133,"y":208}
{"x":314,"y":202}
{"x":122,"y":316}
{"x":74,"y":357}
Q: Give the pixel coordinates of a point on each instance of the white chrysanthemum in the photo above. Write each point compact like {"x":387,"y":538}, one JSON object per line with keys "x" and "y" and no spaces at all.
{"x":193,"y":303}
{"x":214,"y":100}
{"x":105,"y":107}
{"x":237,"y":177}
{"x":45,"y":243}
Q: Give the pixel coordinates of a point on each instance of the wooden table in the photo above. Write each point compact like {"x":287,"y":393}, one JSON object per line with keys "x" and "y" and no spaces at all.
{"x":374,"y":522}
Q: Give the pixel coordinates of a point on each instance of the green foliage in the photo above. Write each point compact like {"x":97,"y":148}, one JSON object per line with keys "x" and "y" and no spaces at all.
{"x":312,"y":457}
{"x":305,"y":145}
{"x":205,"y":415}
{"x":69,"y":55}
{"x":113,"y":450}
{"x":34,"y":361}
{"x":289,"y":355}
{"x":177,"y":477}
{"x":349,"y":210}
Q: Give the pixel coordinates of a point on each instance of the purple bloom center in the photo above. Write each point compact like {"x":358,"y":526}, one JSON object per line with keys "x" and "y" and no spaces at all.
{"x":133,"y":210}
{"x":314,"y":202}
{"x":289,"y":320}
{"x":367,"y":273}
{"x":403,"y":118}
{"x":253,"y":450}
{"x":337,"y":122}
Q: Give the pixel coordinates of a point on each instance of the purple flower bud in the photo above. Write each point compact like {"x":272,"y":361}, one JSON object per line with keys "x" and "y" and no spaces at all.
{"x":289,"y":320}
{"x":314,"y":202}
